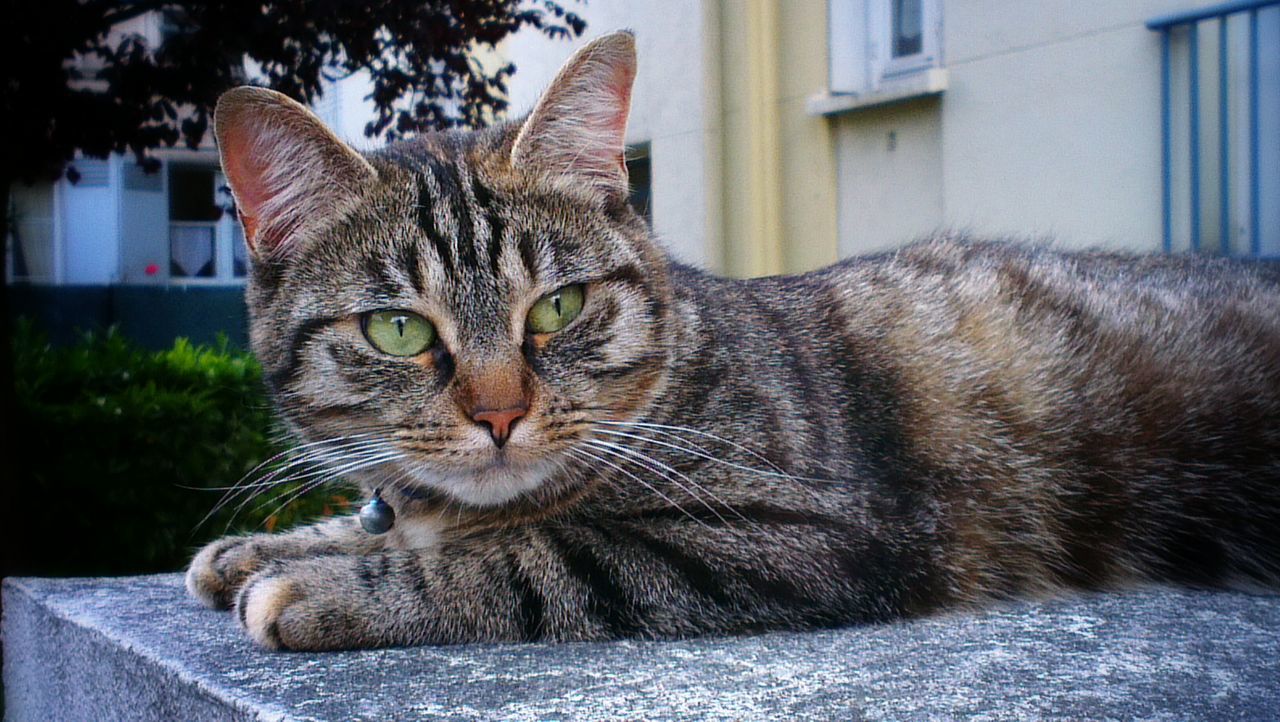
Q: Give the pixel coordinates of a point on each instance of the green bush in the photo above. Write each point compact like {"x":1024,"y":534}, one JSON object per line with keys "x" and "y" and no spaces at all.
{"x":122,"y":450}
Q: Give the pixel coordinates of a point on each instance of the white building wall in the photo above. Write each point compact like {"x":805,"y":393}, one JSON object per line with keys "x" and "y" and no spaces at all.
{"x":345,"y":107}
{"x":90,"y":245}
{"x":889,"y":178}
{"x":144,"y":225}
{"x":1049,"y":127}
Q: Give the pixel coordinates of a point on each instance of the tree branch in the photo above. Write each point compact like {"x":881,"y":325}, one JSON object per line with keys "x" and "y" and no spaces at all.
{"x":133,"y":10}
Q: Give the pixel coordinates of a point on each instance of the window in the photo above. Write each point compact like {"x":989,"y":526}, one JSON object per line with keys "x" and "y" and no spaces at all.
{"x":193,"y":248}
{"x":31,"y":232}
{"x":1220,"y":129}
{"x":204,"y":242}
{"x":136,"y":178}
{"x":639,"y":174}
{"x":877,"y":44}
{"x":911,"y":41}
{"x":906,"y":25}
{"x":239,"y":252}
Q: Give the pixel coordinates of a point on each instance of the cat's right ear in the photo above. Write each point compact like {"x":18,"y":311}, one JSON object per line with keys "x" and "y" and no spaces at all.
{"x":289,"y":174}
{"x":578,"y":128}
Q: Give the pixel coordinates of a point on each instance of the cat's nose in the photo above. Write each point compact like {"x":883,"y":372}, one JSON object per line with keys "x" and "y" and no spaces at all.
{"x":500,"y":421}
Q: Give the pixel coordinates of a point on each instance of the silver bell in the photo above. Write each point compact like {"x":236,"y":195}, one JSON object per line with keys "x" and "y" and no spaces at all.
{"x":377,"y":516}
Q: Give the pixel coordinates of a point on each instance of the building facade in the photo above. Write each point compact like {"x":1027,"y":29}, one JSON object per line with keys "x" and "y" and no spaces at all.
{"x":783,"y":135}
{"x":157,"y":254}
{"x":777,"y":136}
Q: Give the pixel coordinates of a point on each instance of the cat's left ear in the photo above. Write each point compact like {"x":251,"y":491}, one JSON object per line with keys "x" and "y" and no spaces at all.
{"x":289,"y":174}
{"x":579,"y":126}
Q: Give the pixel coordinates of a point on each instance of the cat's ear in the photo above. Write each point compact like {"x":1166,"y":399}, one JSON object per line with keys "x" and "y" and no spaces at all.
{"x":578,"y":128}
{"x":289,"y":174}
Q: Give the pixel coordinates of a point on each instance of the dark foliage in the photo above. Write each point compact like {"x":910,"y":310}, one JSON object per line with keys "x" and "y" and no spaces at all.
{"x":124,"y":449}
{"x":75,"y":80}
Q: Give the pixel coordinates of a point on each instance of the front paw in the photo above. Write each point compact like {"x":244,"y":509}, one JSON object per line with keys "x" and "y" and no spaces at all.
{"x":219,"y":570}
{"x":303,"y":604}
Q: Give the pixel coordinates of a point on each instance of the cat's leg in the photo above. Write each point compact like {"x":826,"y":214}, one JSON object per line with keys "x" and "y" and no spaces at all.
{"x":219,"y":569}
{"x":478,"y":589}
{"x":566,"y":582}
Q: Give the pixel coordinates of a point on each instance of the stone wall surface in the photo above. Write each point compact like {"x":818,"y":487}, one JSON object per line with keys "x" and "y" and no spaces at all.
{"x":138,"y":648}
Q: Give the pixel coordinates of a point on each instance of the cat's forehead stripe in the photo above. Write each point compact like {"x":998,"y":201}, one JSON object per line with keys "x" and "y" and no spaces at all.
{"x":463,"y":218}
{"x":484,"y":202}
{"x":527,"y":256}
{"x":427,"y":221}
{"x":410,"y":259}
{"x":380,"y":278}
{"x":474,"y":232}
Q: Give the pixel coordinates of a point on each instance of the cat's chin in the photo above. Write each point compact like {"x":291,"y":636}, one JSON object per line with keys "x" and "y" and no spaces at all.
{"x":488,"y":486}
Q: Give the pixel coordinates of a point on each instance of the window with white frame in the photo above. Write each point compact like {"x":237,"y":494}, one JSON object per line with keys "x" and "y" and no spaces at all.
{"x":205,"y":242}
{"x":31,"y":242}
{"x":877,"y":43}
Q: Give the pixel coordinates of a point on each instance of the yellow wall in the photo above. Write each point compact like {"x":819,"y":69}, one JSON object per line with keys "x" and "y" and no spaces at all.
{"x":777,"y":171}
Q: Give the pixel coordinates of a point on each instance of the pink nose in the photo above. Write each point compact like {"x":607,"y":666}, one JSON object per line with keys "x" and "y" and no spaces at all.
{"x":500,"y":422}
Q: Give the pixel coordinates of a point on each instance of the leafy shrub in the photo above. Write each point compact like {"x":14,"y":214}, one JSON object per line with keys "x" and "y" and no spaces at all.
{"x":123,"y":450}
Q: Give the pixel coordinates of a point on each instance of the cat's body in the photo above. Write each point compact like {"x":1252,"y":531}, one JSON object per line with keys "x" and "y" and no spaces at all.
{"x":947,"y":424}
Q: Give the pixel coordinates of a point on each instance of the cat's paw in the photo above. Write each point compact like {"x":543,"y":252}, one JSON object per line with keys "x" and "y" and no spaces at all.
{"x":262,"y":604}
{"x":303,"y":604}
{"x":219,"y":570}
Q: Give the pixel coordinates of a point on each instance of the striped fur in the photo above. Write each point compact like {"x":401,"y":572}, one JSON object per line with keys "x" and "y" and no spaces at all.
{"x":946,"y":425}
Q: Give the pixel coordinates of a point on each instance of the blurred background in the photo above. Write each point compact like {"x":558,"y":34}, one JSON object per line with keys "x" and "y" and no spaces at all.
{"x":765,"y":137}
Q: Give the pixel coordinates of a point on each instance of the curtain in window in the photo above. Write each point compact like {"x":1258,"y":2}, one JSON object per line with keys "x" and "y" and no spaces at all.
{"x":31,"y":232}
{"x":908,"y":28}
{"x":191,"y":252}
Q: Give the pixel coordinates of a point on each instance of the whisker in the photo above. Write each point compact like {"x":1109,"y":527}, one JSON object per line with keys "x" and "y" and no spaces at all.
{"x":351,"y":467}
{"x":271,"y":479}
{"x":311,"y":457}
{"x":735,"y":465}
{"x":320,"y":464}
{"x":667,"y":430}
{"x":649,"y":463}
{"x":306,"y":489}
{"x":297,"y":447}
{"x":647,"y":485}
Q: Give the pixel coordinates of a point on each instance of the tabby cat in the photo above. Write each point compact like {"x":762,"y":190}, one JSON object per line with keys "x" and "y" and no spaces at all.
{"x":583,"y":439}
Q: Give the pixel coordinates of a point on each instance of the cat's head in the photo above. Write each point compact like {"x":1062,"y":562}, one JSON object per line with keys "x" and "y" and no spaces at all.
{"x":460,"y":308}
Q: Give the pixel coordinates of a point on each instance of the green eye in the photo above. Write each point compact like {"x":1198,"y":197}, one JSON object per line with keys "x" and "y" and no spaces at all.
{"x":555,"y":310}
{"x":399,"y":333}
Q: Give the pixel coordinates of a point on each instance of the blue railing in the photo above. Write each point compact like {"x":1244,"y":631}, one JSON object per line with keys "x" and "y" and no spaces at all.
{"x":1187,"y":25}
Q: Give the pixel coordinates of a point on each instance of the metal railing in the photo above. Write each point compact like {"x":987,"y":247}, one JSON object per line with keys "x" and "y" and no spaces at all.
{"x":1188,"y":24}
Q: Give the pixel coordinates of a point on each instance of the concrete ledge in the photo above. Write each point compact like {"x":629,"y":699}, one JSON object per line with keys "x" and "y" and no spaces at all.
{"x":137,"y":648}
{"x":913,"y":86}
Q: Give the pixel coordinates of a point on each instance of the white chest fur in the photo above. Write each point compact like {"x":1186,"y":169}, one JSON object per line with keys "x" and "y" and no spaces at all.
{"x":415,"y":532}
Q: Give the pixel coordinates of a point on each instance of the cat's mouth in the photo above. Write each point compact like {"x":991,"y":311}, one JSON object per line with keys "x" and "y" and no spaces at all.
{"x":496,"y":482}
